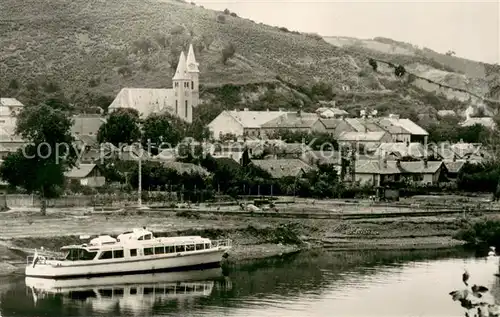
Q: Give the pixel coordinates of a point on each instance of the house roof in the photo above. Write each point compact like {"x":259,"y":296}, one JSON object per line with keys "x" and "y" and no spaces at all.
{"x":254,"y":119}
{"x":454,"y":167}
{"x":323,"y":157}
{"x":444,"y":113}
{"x":378,"y":167}
{"x":361,"y":136}
{"x":401,"y":149}
{"x":485,"y":121}
{"x":283,"y":167}
{"x":292,"y":120}
{"x":331,"y":123}
{"x":88,"y":140}
{"x":333,"y":110}
{"x":407,"y":125}
{"x":144,"y":100}
{"x":188,"y":168}
{"x":87,"y":124}
{"x":10,"y":102}
{"x":80,"y":171}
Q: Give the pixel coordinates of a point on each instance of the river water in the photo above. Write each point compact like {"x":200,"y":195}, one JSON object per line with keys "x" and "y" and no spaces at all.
{"x":364,"y":284}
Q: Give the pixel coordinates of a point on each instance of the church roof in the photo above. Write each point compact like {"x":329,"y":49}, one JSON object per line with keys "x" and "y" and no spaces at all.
{"x":191,"y":61}
{"x":181,"y":72}
{"x":144,"y":100}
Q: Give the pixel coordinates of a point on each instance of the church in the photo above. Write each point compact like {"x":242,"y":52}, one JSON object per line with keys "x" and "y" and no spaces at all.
{"x":178,"y":100}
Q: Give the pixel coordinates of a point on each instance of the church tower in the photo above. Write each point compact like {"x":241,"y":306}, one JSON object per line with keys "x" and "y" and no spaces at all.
{"x":193,"y":73}
{"x":181,"y":82}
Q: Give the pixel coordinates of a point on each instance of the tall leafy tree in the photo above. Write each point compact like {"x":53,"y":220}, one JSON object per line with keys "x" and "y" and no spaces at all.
{"x":39,"y":167}
{"x":163,"y":129}
{"x":122,"y":127}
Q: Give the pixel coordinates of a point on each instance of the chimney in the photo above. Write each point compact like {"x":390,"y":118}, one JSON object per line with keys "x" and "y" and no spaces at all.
{"x":384,"y":162}
{"x":426,"y":163}
{"x":398,"y":163}
{"x":246,"y":109}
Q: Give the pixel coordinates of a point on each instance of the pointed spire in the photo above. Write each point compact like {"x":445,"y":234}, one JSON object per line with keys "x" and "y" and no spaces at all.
{"x":181,"y":72}
{"x":191,"y":61}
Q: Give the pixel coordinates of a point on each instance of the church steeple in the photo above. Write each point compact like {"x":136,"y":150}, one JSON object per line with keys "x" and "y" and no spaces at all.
{"x":192,"y":65}
{"x":181,"y":72}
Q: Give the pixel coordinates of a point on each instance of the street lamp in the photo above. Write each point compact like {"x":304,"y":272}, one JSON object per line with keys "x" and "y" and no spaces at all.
{"x":139,"y":187}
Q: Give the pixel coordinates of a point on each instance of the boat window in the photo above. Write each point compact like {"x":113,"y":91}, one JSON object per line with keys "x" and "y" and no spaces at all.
{"x":148,"y":251}
{"x":141,"y":238}
{"x":117,"y":254}
{"x":159,"y":290}
{"x":106,"y":255}
{"x":80,"y":255}
{"x":207,"y":245}
{"x":170,"y":249}
{"x":200,"y":246}
{"x":133,"y":252}
{"x":106,"y":292}
{"x":159,"y":250}
{"x":133,"y":291}
{"x":189,"y":247}
{"x":118,"y":292}
{"x":179,"y":248}
{"x":170,"y":290}
{"x":147,"y":237}
{"x":148,"y":290}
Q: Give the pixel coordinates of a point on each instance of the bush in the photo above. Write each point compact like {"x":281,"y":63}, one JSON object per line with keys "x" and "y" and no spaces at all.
{"x":221,"y":19}
{"x":228,"y":52}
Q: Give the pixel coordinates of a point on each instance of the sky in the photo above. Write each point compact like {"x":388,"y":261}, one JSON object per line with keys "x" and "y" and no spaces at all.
{"x":470,"y":28}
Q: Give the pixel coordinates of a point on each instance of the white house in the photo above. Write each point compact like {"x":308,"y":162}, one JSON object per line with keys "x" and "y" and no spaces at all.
{"x":241,"y":123}
{"x":9,"y":109}
{"x":178,"y":100}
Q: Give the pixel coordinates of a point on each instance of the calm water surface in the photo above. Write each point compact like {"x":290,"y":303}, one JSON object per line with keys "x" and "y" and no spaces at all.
{"x":329,"y":284}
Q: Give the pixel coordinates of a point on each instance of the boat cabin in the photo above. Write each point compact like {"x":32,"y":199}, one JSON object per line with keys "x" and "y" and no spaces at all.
{"x":137,"y":243}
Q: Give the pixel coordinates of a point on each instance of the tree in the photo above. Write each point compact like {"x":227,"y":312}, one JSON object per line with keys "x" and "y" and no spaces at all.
{"x":373,"y":64}
{"x":121,"y":128}
{"x":39,"y":167}
{"x":228,"y":52}
{"x":163,"y":130}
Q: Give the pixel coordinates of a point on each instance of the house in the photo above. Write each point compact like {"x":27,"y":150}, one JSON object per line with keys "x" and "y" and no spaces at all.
{"x":335,"y":127}
{"x":487,"y":122}
{"x":399,"y":150}
{"x":86,"y":175}
{"x":468,"y":152}
{"x":9,"y":109}
{"x":380,"y":172}
{"x":407,"y":127}
{"x":293,"y":122}
{"x":446,"y":113}
{"x":331,"y":112}
{"x":241,"y":123}
{"x":87,"y":124}
{"x":369,"y":140}
{"x":284,"y":167}
{"x":454,"y":168}
{"x":178,"y":100}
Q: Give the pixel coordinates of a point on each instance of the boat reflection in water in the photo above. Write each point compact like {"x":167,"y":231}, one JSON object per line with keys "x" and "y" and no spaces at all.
{"x":129,"y":292}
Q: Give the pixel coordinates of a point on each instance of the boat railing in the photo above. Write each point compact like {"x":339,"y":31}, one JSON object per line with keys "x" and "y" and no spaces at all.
{"x":222,"y":243}
{"x":42,"y":259}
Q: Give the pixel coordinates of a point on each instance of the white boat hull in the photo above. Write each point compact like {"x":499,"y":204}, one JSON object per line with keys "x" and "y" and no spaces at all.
{"x":75,"y":269}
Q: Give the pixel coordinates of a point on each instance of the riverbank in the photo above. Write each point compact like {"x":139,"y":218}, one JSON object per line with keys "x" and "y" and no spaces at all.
{"x":254,"y":235}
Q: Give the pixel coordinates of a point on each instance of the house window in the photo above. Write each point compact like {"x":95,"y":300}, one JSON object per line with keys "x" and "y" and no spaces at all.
{"x":186,"y":109}
{"x":176,"y":107}
{"x":192,"y":84}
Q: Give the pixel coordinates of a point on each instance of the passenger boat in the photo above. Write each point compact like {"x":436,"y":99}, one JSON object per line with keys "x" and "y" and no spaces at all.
{"x":137,"y":251}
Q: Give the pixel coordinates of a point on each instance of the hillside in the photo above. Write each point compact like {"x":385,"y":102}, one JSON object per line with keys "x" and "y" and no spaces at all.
{"x":89,"y":49}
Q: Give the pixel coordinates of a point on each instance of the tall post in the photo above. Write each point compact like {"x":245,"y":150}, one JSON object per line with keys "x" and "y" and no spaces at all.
{"x":139,"y":190}
{"x":271,"y":190}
